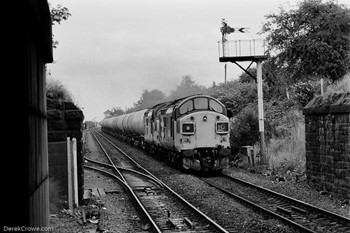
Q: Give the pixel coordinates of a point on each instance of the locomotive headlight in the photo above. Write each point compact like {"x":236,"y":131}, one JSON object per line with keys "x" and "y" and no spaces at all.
{"x":188,"y":128}
{"x":221,"y":127}
{"x":205,"y":118}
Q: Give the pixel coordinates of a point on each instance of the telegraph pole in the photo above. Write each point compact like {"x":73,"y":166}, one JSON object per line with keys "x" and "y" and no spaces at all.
{"x":225,"y":72}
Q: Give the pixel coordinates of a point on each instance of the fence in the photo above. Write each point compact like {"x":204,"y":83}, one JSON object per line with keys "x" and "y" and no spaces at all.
{"x":241,"y":48}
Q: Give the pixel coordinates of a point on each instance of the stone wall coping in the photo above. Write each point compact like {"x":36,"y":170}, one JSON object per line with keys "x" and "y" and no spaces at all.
{"x":334,"y":103}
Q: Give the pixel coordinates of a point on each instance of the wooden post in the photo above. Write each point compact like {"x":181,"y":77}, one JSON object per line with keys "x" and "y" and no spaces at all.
{"x":69,"y":175}
{"x":261,"y":110}
{"x":75,"y":172}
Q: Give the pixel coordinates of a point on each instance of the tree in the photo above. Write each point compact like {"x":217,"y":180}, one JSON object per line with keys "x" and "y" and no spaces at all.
{"x":58,"y":14}
{"x":236,"y":95}
{"x":312,"y":40}
{"x":117,"y":111}
{"x":149,"y":99}
{"x":187,"y":87}
{"x":245,"y":129}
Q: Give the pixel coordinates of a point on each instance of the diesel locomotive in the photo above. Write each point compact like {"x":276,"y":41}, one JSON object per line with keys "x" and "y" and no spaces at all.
{"x":191,"y":132}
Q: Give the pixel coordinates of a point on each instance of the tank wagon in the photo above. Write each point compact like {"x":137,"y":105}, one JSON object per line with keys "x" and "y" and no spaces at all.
{"x":192,"y":132}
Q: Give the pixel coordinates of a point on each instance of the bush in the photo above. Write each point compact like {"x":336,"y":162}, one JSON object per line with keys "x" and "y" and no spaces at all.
{"x":244,"y":129}
{"x":234,"y":95}
{"x":56,"y":90}
{"x":303,"y":92}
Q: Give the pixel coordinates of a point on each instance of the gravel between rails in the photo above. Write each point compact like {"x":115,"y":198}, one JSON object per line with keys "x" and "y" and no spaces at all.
{"x":222,"y":209}
{"x":300,"y":191}
{"x":122,"y":216}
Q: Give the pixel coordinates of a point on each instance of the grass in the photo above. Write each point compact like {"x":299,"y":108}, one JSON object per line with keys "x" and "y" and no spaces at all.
{"x":341,"y":86}
{"x":288,"y":152}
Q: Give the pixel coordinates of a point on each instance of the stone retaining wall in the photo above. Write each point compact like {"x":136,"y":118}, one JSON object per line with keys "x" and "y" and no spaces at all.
{"x":327,"y":128}
{"x":64,"y":119}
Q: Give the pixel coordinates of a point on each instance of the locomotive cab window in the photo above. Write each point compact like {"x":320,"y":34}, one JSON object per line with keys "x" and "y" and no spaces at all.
{"x":186,"y":107}
{"x":201,"y":103}
{"x":215,"y":106}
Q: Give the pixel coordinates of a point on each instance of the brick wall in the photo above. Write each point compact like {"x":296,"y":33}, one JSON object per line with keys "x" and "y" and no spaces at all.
{"x":327,"y":128}
{"x":64,"y":119}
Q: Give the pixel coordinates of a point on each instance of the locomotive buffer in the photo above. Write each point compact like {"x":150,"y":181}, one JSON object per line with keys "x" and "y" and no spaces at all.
{"x":245,"y":51}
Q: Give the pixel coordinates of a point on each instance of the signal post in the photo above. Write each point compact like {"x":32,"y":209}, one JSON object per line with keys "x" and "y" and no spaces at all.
{"x":246,"y":51}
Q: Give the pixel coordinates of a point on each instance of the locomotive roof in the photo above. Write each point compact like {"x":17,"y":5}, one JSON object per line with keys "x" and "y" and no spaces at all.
{"x":166,"y":105}
{"x":162,"y":107}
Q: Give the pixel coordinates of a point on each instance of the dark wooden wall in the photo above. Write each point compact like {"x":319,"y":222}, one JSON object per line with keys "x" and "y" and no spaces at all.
{"x":28,"y":47}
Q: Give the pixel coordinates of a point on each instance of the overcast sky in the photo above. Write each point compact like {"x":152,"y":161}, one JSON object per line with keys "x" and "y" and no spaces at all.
{"x":109,"y":51}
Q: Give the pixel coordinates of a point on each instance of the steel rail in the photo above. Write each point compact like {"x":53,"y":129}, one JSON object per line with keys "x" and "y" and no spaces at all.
{"x":110,"y":160}
{"x":197,"y":210}
{"x":217,"y":226}
{"x":262,"y":209}
{"x":98,"y":162}
{"x":126,"y":155}
{"x":289,"y":199}
{"x":155,"y":226}
{"x":125,"y":169}
{"x":150,"y":219}
{"x":107,"y":173}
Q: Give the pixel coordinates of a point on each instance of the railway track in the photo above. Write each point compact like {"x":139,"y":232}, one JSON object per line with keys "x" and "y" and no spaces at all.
{"x":300,"y":215}
{"x":165,"y":210}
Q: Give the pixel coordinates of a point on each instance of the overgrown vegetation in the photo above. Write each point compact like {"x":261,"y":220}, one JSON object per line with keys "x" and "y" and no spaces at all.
{"x":56,"y":90}
{"x":306,"y":44}
{"x":342,"y":86}
{"x":288,"y":149}
{"x":311,"y":40}
{"x":58,"y":14}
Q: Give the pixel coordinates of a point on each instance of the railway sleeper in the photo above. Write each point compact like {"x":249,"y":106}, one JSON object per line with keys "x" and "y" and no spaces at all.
{"x":298,"y":210}
{"x":189,"y":223}
{"x":177,"y":224}
{"x":148,"y":191}
{"x":284,"y":211}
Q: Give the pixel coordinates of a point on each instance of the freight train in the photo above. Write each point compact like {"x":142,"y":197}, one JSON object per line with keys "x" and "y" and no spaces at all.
{"x":191,"y":132}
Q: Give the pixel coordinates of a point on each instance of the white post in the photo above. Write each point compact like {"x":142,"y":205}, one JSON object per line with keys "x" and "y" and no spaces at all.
{"x":261,"y":110}
{"x":69,"y":175}
{"x":75,"y":171}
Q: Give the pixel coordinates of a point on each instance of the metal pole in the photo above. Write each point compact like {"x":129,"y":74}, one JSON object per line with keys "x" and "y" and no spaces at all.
{"x":261,"y":110}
